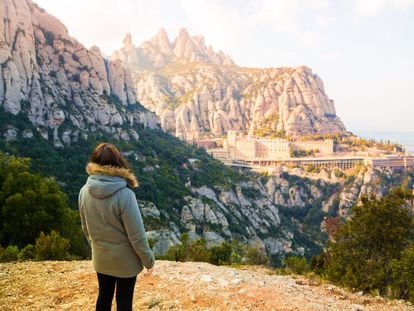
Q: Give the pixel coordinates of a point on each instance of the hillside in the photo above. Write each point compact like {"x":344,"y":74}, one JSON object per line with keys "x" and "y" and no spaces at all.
{"x":63,"y":88}
{"x":178,"y":286}
{"x":59,"y":99}
{"x":197,"y":92}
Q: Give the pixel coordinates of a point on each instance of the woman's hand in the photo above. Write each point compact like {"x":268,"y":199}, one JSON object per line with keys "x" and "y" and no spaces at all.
{"x":149,"y":271}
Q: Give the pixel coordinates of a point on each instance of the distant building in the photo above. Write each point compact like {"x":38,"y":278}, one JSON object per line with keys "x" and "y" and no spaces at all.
{"x":219,"y":154}
{"x":321,"y":146}
{"x":206,"y":144}
{"x":246,"y":148}
{"x":395,"y":162}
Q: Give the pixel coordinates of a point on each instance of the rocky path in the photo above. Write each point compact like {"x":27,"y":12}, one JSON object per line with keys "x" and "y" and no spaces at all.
{"x":176,"y":286}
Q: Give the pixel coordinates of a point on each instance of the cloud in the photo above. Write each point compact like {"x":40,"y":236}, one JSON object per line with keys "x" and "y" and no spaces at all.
{"x":104,"y":22}
{"x":223,"y":25}
{"x":369,"y":7}
{"x":289,"y":15}
{"x":230,"y":26}
{"x":366,"y":8}
{"x":301,"y":19}
{"x":402,"y":4}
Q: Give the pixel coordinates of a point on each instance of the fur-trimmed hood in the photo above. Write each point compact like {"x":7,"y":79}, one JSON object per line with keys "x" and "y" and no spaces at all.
{"x":107,"y":170}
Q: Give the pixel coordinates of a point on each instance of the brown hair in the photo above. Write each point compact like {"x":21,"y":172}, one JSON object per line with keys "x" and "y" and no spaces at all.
{"x":108,"y":154}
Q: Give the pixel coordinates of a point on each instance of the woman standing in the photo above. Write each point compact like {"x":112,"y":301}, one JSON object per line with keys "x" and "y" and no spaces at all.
{"x":113,"y":225}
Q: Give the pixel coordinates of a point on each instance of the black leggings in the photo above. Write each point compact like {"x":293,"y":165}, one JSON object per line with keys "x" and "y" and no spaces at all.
{"x":124,"y":292}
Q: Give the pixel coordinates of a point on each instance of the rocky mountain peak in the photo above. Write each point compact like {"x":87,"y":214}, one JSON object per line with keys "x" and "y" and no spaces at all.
{"x":162,"y":41}
{"x":182,"y":37}
{"x":159,"y":51}
{"x":60,"y":85}
{"x":198,"y":92}
{"x":127,"y":41}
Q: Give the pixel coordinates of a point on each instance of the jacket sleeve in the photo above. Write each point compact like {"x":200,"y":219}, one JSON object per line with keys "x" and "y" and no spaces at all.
{"x":134,"y":227}
{"x":82,"y":217}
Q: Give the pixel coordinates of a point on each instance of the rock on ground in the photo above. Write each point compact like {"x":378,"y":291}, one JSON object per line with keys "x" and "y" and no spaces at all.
{"x":72,"y":285}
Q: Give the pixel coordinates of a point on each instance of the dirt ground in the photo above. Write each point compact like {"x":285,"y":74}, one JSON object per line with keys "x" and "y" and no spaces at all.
{"x":72,"y":285}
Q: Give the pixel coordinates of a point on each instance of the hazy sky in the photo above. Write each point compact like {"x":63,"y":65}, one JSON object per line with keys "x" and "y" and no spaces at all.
{"x":362,"y":49}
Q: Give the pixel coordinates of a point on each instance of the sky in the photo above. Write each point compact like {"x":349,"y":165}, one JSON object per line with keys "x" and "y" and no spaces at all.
{"x":363,"y":50}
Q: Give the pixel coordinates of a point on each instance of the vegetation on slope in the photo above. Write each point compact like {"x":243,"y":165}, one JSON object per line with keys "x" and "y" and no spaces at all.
{"x":31,"y":204}
{"x":167,"y":169}
{"x":373,"y":251}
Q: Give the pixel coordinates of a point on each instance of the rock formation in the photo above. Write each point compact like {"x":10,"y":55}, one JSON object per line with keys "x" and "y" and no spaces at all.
{"x":56,"y":81}
{"x":68,"y":91}
{"x":256,"y":208}
{"x":159,"y":51}
{"x":197,"y":92}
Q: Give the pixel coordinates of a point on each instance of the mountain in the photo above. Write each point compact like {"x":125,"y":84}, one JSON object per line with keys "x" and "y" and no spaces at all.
{"x":159,"y":51}
{"x":63,"y":88}
{"x":197,"y":92}
{"x":59,"y":99}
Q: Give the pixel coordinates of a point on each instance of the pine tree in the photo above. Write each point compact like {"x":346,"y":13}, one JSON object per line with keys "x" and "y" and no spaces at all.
{"x":377,"y":233}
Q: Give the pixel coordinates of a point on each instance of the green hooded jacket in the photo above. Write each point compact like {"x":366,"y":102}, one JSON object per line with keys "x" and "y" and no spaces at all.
{"x":112,"y":222}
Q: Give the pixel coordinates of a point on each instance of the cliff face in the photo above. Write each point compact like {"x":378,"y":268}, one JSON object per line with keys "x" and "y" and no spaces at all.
{"x":56,"y":81}
{"x":159,"y":51}
{"x":197,"y":92}
{"x":67,"y":90}
{"x":268,"y":211}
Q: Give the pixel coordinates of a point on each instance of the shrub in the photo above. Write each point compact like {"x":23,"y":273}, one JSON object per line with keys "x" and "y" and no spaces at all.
{"x":235,"y":259}
{"x":53,"y":74}
{"x":31,"y":203}
{"x":297,"y":265}
{"x":318,"y":262}
{"x":255,"y":255}
{"x":365,"y":245}
{"x":402,"y":272}
{"x":49,"y":36}
{"x":28,"y":252}
{"x":11,"y":253}
{"x":61,"y":59}
{"x":221,"y":254}
{"x":181,"y":251}
{"x":51,"y":247}
{"x":199,"y":252}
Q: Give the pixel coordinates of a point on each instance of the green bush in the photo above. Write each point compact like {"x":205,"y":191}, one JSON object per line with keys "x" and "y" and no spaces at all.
{"x":11,"y":253}
{"x":31,"y":203}
{"x":402,"y":272}
{"x":51,"y":247}
{"x":180,"y":252}
{"x":199,"y":251}
{"x":235,"y":258}
{"x":318,"y":262}
{"x":221,"y":254}
{"x":255,"y":255}
{"x":227,"y":253}
{"x":28,"y":252}
{"x":297,"y":265}
{"x":365,"y":246}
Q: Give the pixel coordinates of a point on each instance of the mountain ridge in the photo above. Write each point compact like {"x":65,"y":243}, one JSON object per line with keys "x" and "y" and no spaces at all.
{"x":62,"y":86}
{"x":159,"y":51}
{"x":199,"y":97}
{"x":58,"y":99}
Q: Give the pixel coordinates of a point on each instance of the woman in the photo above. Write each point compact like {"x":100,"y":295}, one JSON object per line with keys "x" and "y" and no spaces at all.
{"x":112,"y":223}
